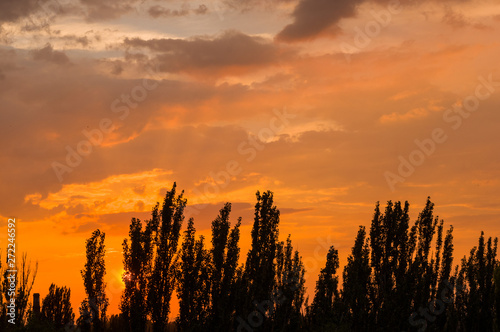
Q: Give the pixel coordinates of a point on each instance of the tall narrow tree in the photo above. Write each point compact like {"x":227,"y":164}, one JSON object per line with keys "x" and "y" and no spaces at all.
{"x":162,"y":281}
{"x":322,"y":313}
{"x":94,"y":306}
{"x":290,"y":289}
{"x":193,"y":288}
{"x":260,"y":268}
{"x":356,"y":284}
{"x":225,"y":255}
{"x":137,"y":262}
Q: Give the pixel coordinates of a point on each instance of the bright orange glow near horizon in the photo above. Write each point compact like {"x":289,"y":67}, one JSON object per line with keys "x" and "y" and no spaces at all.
{"x":104,"y":107}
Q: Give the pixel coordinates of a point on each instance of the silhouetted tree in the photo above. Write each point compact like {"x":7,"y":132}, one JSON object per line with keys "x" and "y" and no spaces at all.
{"x":23,"y":279}
{"x":496,"y":277}
{"x":117,"y":323}
{"x":445,"y":282}
{"x":392,"y":246}
{"x":261,"y":265}
{"x":224,"y":255}
{"x":398,"y":278}
{"x":260,"y":269}
{"x":322,"y":313}
{"x":193,"y":288}
{"x":56,"y":307}
{"x":475,"y":282}
{"x":290,"y":289}
{"x":162,"y":281}
{"x":137,"y":262}
{"x":94,"y":306}
{"x":356,"y":284}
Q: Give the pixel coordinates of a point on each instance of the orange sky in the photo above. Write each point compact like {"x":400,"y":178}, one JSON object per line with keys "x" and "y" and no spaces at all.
{"x":333,"y":105}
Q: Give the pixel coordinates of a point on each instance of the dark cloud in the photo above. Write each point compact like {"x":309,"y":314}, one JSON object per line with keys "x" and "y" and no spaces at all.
{"x":48,"y":54}
{"x":76,"y":40}
{"x":293,"y":210}
{"x":232,"y":49}
{"x":12,"y":10}
{"x":97,"y":10}
{"x":159,"y":11}
{"x":202,"y":9}
{"x":35,"y":15}
{"x":312,"y":17}
{"x":117,"y":67}
{"x":248,"y":5}
{"x":123,"y":218}
{"x":457,"y":20}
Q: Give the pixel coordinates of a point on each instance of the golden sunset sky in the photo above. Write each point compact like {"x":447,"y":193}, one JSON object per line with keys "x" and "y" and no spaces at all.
{"x":332,"y":105}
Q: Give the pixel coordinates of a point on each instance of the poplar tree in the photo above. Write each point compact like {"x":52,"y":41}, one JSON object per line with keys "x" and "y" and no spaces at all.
{"x":94,"y":306}
{"x":260,"y":268}
{"x":137,"y":262}
{"x":224,"y":256}
{"x":289,"y":288}
{"x":476,"y":287}
{"x":162,"y":282}
{"x":357,"y":283}
{"x":323,"y":313}
{"x":193,"y":288}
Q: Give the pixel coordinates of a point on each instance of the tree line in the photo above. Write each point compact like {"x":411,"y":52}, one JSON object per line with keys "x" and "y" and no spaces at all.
{"x":400,"y":276}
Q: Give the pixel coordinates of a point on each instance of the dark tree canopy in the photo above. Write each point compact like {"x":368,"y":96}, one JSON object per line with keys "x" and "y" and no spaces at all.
{"x":56,"y":307}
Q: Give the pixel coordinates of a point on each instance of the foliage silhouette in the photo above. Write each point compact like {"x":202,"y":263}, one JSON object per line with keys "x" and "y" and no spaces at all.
{"x":399,"y":276}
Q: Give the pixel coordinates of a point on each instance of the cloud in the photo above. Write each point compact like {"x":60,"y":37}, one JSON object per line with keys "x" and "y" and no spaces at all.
{"x":74,"y":40}
{"x":313,"y":17}
{"x":48,"y":54}
{"x":159,"y":11}
{"x":10,"y":11}
{"x":36,"y":15}
{"x":457,"y":20}
{"x":231,"y":49}
{"x":97,"y":10}
{"x":248,"y":5}
{"x":416,"y":113}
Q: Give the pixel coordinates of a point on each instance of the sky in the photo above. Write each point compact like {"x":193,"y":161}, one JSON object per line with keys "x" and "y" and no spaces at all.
{"x":332,"y":105}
